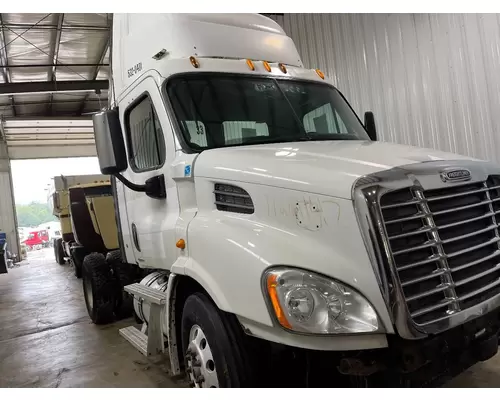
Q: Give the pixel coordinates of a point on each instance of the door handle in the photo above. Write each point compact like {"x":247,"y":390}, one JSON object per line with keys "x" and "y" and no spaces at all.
{"x":135,"y":237}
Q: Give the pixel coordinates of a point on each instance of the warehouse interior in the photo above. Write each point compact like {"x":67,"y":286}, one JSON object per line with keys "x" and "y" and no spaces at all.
{"x":430,"y":80}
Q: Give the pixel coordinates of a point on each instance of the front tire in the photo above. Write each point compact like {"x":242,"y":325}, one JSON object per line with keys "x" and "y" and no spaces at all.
{"x":98,"y":289}
{"x":214,"y":346}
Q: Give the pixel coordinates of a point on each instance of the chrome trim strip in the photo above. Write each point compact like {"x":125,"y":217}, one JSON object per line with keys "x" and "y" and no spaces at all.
{"x":431,"y":259}
{"x":478,"y":261}
{"x":450,"y":196}
{"x":449,"y":210}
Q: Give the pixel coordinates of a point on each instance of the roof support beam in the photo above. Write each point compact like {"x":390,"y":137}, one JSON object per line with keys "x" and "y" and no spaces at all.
{"x":52,"y":87}
{"x":103,"y":52}
{"x":45,"y":102}
{"x":55,"y":56}
{"x":52,"y":65}
{"x":5,"y":62}
{"x":52,"y":26}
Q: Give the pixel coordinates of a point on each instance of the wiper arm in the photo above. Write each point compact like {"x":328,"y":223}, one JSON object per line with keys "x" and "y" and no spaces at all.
{"x":331,"y":136}
{"x":297,"y":119}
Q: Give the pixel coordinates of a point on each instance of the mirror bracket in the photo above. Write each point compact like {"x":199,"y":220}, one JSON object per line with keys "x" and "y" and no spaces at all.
{"x":154,"y":187}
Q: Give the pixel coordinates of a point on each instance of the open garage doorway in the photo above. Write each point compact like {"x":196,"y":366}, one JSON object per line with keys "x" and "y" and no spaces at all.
{"x":36,"y":224}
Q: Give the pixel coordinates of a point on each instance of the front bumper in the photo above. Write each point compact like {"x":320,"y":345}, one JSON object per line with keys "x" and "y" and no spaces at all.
{"x":412,"y":363}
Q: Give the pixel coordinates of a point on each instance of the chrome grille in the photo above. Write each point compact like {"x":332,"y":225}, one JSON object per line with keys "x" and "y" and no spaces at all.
{"x":445,"y":246}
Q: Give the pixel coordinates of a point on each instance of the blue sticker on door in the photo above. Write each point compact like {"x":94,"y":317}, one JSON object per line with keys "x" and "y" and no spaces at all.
{"x":187,"y":170}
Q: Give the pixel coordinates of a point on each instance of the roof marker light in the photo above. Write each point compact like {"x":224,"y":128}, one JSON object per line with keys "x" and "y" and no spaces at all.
{"x":282,"y":67}
{"x":194,"y":62}
{"x":320,"y":74}
{"x":266,"y":66}
{"x":250,"y":65}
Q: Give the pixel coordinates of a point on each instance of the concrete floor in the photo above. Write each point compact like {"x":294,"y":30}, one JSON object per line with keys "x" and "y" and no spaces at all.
{"x":47,"y":339}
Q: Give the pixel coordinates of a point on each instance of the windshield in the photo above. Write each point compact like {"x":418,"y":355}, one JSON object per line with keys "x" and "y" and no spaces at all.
{"x":219,"y":111}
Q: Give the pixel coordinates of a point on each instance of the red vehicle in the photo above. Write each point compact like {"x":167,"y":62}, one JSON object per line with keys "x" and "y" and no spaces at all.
{"x":37,"y":239}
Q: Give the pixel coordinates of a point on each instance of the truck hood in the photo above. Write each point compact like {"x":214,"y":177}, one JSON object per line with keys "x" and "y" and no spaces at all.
{"x":322,"y":167}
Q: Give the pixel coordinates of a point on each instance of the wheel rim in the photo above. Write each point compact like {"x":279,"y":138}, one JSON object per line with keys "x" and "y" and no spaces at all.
{"x":87,"y":287}
{"x":200,"y":360}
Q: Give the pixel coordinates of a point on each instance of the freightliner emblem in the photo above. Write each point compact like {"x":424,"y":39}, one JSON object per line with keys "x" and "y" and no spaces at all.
{"x":456,"y":175}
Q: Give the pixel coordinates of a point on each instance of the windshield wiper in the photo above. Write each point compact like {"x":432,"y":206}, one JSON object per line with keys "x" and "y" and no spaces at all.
{"x":329,"y":136}
{"x":297,"y":119}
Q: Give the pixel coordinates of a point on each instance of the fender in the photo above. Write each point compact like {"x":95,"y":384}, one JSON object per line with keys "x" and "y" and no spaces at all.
{"x":229,"y":252}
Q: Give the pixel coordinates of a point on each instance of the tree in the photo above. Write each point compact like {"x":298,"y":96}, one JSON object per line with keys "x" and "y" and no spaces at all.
{"x":33,"y":214}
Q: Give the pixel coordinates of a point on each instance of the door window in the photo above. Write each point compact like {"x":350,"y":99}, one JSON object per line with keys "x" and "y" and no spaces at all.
{"x":145,"y":137}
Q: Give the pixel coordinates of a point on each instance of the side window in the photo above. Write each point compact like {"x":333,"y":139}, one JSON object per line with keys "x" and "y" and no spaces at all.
{"x":145,"y":136}
{"x":324,"y":120}
{"x":236,"y":131}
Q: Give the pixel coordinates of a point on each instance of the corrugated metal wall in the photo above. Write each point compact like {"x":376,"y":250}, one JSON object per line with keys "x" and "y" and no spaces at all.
{"x":432,"y":80}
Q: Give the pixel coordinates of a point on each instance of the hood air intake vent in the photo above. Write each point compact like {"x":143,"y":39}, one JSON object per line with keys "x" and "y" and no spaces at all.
{"x":232,"y":199}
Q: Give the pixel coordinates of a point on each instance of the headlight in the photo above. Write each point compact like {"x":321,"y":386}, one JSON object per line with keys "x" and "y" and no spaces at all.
{"x":306,"y":302}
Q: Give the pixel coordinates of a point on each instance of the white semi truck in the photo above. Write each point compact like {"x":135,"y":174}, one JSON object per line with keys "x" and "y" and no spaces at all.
{"x":278,"y":238}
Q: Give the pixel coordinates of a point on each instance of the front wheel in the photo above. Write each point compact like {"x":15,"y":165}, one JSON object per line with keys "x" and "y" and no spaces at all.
{"x":214,"y":346}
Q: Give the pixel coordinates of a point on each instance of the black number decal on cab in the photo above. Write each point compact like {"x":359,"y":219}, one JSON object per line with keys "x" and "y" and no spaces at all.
{"x":134,"y":70}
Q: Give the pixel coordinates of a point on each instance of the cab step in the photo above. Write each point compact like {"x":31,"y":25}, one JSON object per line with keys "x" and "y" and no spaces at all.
{"x":149,"y":341}
{"x":149,"y":295}
{"x":136,"y":338}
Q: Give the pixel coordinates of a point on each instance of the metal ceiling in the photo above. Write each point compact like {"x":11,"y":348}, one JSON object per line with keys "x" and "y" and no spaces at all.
{"x":53,"y":65}
{"x":53,"y":74}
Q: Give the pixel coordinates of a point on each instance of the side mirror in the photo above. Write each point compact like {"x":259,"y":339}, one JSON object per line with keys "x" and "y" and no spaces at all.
{"x":370,"y":125}
{"x":109,"y":142}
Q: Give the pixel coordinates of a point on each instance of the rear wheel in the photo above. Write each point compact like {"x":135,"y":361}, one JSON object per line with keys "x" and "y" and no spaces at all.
{"x":59,"y":251}
{"x":77,"y":256}
{"x":98,"y":289}
{"x":124,"y":275}
{"x":214,"y":346}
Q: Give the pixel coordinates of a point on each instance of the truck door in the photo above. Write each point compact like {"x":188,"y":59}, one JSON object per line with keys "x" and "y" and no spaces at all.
{"x":150,"y":148}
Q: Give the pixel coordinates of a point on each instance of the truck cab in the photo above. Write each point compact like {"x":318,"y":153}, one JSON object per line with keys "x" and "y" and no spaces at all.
{"x":37,"y":239}
{"x":272,"y":218}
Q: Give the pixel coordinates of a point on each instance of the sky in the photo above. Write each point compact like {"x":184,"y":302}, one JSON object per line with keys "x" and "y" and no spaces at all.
{"x":31,"y":178}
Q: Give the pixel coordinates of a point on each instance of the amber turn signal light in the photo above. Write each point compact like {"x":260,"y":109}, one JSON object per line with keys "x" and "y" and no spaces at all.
{"x":273,"y":295}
